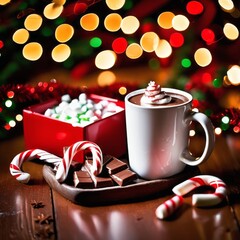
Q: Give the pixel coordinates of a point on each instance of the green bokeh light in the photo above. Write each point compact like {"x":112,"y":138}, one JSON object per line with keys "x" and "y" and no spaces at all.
{"x":128,"y":5}
{"x":224,"y":126}
{"x":217,"y":83}
{"x":95,"y":42}
{"x":186,"y":63}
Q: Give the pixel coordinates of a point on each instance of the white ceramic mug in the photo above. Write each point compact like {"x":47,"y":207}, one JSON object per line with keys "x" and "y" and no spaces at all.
{"x":158,"y":137}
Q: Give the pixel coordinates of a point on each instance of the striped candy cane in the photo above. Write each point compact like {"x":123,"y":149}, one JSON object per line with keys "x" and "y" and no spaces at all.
{"x":18,"y":160}
{"x":203,"y":200}
{"x":64,"y":166}
{"x":167,"y":208}
{"x":199,"y":200}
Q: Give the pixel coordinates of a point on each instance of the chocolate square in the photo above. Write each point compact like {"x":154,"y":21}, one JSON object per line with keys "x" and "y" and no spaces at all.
{"x":82,"y":179}
{"x":124,"y":177}
{"x":115,"y":166}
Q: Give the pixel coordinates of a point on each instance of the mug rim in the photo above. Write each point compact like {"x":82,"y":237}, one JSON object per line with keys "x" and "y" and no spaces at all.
{"x":170,"y":90}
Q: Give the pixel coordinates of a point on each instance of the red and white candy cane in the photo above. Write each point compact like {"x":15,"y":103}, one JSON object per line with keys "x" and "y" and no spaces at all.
{"x":64,"y":166}
{"x":167,"y":208}
{"x":203,"y":200}
{"x":19,"y":159}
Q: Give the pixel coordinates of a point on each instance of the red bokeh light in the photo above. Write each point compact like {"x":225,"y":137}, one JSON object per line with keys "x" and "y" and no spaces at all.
{"x":7,"y":127}
{"x":147,"y":27}
{"x":236,"y":129}
{"x":1,"y":44}
{"x":10,"y":94}
{"x":194,"y":7}
{"x":119,"y":45}
{"x":176,"y":39}
{"x":195,"y":103}
{"x":206,"y":77}
{"x":79,"y":8}
{"x":208,"y":35}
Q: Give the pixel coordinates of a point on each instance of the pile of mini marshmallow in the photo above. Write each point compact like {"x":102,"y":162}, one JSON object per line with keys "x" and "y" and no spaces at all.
{"x":82,"y":111}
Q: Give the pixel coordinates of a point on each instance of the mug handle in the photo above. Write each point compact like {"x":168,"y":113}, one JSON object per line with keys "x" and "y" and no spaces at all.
{"x":207,"y":126}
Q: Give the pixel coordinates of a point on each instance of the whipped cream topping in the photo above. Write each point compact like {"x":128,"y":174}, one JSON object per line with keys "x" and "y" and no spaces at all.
{"x":154,"y":96}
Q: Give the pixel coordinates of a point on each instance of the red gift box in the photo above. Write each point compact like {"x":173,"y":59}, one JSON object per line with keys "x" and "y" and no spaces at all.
{"x":53,"y":135}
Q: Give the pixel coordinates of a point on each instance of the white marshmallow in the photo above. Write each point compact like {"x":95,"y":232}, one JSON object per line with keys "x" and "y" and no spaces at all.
{"x":48,"y":112}
{"x":66,"y":98}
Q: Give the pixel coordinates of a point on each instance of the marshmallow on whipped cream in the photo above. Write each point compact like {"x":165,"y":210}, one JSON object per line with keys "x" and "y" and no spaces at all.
{"x":154,"y":96}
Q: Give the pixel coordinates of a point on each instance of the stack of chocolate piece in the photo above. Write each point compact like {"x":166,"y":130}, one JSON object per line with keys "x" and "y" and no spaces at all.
{"x":115,"y":172}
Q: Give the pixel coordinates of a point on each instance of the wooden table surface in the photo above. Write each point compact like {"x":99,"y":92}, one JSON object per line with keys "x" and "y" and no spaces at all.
{"x":58,"y":218}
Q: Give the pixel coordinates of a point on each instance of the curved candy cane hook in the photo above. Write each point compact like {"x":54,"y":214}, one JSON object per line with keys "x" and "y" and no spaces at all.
{"x":203,"y":200}
{"x":96,"y":151}
{"x":19,"y":159}
{"x":199,"y":200}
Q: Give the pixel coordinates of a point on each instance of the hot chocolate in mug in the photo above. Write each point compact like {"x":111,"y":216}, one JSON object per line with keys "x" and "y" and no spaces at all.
{"x":158,"y":134}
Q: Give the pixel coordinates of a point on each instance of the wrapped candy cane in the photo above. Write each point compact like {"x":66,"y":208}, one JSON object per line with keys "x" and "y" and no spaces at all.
{"x":18,"y":160}
{"x":203,"y":200}
{"x":64,"y":166}
{"x":169,"y":207}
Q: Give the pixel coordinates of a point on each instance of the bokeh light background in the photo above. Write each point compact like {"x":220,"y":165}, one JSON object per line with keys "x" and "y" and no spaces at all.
{"x":192,"y":45}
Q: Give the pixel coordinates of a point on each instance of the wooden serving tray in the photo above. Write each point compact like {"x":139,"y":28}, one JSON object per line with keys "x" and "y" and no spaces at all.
{"x":137,"y":191}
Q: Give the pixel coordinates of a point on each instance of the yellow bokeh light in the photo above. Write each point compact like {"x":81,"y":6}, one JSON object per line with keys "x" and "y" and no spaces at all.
{"x":21,"y":36}
{"x":52,"y":11}
{"x":112,"y":22}
{"x":105,"y":59}
{"x":130,"y":24}
{"x":149,"y":41}
{"x":33,"y":22}
{"x":64,"y":32}
{"x":4,"y":2}
{"x":19,"y":117}
{"x":106,"y":78}
{"x":165,"y":20}
{"x":163,"y":49}
{"x":203,"y":57}
{"x":61,"y":53}
{"x":233,"y":75}
{"x":115,"y":4}
{"x":89,"y":22}
{"x":230,"y":31}
{"x":122,"y":90}
{"x":32,"y":51}
{"x":180,"y":22}
{"x":226,"y":5}
{"x":59,"y":2}
{"x":218,"y":130}
{"x":134,"y":51}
